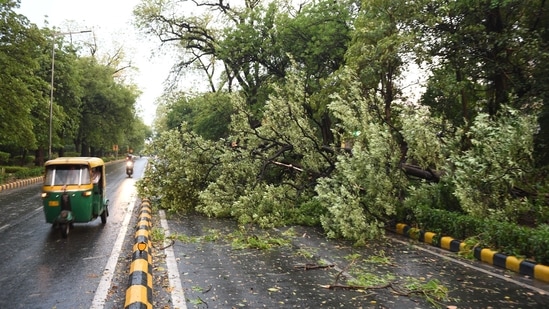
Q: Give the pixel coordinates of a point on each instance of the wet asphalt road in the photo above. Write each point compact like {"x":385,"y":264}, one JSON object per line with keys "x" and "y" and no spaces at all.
{"x":214,"y":274}
{"x":39,"y":269}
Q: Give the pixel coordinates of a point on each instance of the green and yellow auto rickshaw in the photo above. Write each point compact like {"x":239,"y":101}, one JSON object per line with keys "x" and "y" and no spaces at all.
{"x":74,"y":191}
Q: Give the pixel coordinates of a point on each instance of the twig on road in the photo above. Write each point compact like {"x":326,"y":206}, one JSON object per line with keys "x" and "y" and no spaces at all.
{"x":308,"y":266}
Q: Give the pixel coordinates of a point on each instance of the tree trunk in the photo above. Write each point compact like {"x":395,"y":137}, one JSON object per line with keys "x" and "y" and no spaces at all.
{"x":416,"y":171}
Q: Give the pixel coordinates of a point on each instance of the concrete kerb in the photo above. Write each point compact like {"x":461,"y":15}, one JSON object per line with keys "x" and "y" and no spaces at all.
{"x":21,"y":183}
{"x":512,"y":263}
{"x":140,"y":288}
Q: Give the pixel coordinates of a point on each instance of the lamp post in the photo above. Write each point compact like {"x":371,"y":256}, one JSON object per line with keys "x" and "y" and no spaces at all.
{"x":56,"y":34}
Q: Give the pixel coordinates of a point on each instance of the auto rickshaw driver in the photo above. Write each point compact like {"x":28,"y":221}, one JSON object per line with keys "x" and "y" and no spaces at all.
{"x":96,"y":175}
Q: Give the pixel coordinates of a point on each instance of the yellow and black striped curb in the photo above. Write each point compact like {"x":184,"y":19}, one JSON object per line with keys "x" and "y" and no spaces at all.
{"x":140,"y":288}
{"x":521,"y":266}
{"x":21,"y":183}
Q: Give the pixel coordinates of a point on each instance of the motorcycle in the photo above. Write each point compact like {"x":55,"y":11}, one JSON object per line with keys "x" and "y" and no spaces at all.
{"x":129,"y":168}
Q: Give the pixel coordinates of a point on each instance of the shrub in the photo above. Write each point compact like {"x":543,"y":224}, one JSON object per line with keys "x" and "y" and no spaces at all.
{"x":539,"y":244}
{"x":505,"y":237}
{"x":19,"y":172}
{"x":25,"y":161}
{"x":29,"y":172}
{"x":4,"y":158}
{"x":13,"y":169}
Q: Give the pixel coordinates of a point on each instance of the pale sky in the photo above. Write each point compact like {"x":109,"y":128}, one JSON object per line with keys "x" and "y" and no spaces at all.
{"x":110,"y":21}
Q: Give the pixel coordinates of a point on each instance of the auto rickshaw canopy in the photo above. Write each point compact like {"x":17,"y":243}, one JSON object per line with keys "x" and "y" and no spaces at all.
{"x":90,"y":164}
{"x":90,"y":161}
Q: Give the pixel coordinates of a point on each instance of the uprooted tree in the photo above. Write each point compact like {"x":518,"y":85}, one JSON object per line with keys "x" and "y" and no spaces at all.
{"x":321,"y":130}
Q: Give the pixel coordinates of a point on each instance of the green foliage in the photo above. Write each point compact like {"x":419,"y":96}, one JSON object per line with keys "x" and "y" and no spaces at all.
{"x":425,"y":195}
{"x":247,"y":240}
{"x":499,"y":157}
{"x":419,"y":129}
{"x":234,"y":173}
{"x":309,"y":213}
{"x":539,"y":241}
{"x":360,"y":196}
{"x":506,"y":237}
{"x":317,"y":38}
{"x":20,"y":84}
{"x":208,"y":114}
{"x":157,"y":234}
{"x":367,"y":279}
{"x":72,"y":154}
{"x":378,"y":258}
{"x":459,"y":226}
{"x":8,"y":173}
{"x":23,"y":160}
{"x":89,"y":107}
{"x":432,"y":290}
{"x":13,"y":169}
{"x":4,"y":158}
{"x":363,"y":191}
{"x":378,"y":46}
{"x":509,"y":238}
{"x":268,"y":174}
{"x":29,"y":172}
{"x":266,"y":205}
{"x":107,"y":115}
{"x":183,"y":166}
{"x":327,"y":75}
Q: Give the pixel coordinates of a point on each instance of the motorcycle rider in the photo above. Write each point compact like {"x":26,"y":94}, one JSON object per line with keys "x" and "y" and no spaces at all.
{"x":129,"y":165}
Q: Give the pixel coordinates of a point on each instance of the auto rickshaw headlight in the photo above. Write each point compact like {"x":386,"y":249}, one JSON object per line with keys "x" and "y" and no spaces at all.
{"x":86,"y":193}
{"x":44,"y":194}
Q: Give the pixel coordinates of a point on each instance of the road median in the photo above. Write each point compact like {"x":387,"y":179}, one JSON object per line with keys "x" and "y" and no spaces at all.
{"x":140,"y":288}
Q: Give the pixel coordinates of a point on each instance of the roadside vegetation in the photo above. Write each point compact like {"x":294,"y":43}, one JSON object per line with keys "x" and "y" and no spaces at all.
{"x":309,"y":119}
{"x":92,"y":110}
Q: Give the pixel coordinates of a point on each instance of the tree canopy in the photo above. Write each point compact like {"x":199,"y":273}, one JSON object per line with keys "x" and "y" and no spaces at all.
{"x":91,"y":109}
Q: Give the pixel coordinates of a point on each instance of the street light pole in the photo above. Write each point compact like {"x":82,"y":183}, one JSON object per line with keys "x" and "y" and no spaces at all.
{"x":56,"y":34}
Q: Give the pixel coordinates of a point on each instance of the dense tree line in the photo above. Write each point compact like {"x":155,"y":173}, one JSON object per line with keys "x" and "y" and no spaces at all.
{"x":92,"y":110}
{"x":321,"y":128}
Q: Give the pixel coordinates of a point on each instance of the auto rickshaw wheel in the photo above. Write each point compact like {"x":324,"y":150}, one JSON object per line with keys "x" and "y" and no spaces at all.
{"x":104,"y":216}
{"x":65,"y":227}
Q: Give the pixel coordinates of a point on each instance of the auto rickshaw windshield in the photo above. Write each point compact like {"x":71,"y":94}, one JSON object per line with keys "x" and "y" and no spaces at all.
{"x":67,"y":174}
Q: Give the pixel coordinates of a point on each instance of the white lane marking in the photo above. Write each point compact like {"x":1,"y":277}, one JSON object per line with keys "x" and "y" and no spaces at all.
{"x":105,"y":282}
{"x":524,"y":285}
{"x":177,"y":294}
{"x":94,"y":257}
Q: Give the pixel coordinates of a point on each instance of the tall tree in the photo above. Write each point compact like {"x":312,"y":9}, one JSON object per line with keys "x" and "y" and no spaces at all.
{"x":493,"y":44}
{"x":22,"y":91}
{"x":108,"y":108}
{"x":67,"y":90}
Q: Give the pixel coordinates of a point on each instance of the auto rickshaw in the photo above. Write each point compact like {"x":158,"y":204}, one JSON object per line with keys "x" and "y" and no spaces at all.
{"x":74,"y":192}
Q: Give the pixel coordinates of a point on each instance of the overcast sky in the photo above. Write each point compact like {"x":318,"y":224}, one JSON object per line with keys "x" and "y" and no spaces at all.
{"x":110,"y":21}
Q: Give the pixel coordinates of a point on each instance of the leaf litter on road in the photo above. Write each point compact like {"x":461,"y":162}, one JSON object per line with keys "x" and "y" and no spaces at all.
{"x":299,"y":267}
